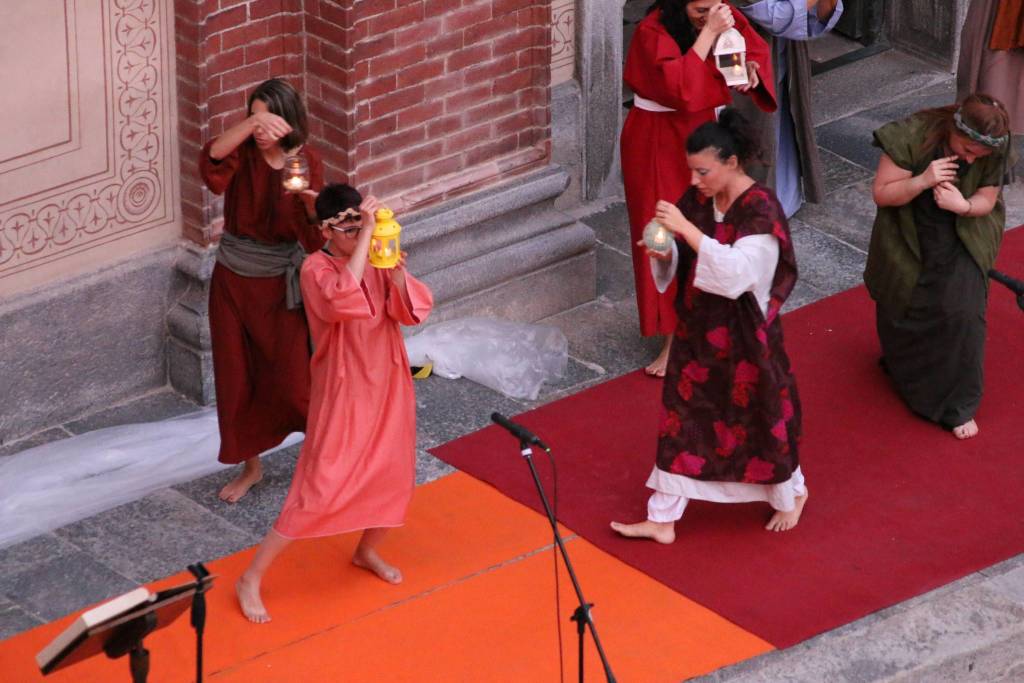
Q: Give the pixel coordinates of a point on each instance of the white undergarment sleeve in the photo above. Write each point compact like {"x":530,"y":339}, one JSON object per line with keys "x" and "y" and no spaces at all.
{"x":664,"y":271}
{"x":748,"y":265}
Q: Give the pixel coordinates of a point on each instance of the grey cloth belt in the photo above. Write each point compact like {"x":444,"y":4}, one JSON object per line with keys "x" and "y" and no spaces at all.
{"x":249,"y":258}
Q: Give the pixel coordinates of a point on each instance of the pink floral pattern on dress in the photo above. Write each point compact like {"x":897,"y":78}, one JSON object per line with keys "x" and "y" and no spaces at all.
{"x":728,"y":380}
{"x":729,"y":438}
{"x":719,"y":338}
{"x":692,"y":373}
{"x":758,"y":471}
{"x":687,"y":464}
{"x":744,"y":383}
{"x":670,"y":423}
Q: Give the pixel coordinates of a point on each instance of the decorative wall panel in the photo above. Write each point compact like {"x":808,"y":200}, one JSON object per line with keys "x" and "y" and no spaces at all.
{"x":88,"y":157}
{"x":563,"y":40}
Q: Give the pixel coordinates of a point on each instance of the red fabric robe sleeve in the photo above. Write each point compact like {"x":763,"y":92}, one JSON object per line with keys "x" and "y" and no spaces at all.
{"x":331,"y":293}
{"x":218,"y":174}
{"x":657,"y":70}
{"x":419,"y":304}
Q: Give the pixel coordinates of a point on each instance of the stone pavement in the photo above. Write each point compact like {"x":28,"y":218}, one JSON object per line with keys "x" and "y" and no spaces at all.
{"x":970,"y":630}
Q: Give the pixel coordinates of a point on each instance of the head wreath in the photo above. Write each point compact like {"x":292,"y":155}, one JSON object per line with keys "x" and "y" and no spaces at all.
{"x":988,"y":140}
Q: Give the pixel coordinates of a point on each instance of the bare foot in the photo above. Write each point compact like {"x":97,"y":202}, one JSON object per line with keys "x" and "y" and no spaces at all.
{"x":250,"y":475}
{"x":966,"y":430}
{"x":248,"y":593}
{"x":658,"y":365}
{"x":369,"y":559}
{"x":662,"y":532}
{"x":784,"y":521}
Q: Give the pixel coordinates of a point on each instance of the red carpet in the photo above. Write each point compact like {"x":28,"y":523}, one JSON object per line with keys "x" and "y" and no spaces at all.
{"x":897,"y":506}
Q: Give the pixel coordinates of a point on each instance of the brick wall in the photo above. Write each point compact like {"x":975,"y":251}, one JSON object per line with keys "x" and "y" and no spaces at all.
{"x":224,"y":49}
{"x":414,"y":100}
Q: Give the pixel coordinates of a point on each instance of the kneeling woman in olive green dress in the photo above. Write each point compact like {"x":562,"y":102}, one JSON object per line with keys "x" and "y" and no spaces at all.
{"x":939,"y":223}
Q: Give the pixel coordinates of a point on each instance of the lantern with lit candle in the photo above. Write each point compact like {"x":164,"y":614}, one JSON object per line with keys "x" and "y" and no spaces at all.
{"x":731,"y":57}
{"x":384,"y":245}
{"x":295,"y":174}
{"x":657,"y":238}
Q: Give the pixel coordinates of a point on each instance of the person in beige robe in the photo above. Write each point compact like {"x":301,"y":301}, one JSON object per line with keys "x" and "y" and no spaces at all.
{"x":992,"y":56}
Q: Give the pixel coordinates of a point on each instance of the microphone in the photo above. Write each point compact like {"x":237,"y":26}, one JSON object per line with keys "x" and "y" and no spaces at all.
{"x":520,"y":432}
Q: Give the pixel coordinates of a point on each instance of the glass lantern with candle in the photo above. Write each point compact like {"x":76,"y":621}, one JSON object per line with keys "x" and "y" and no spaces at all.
{"x":295,"y":174}
{"x":657,"y":238}
{"x":384,"y":245}
{"x":731,"y":57}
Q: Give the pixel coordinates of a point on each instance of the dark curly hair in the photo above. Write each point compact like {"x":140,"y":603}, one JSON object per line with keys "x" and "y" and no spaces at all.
{"x":673,"y":18}
{"x":335,"y":198}
{"x":729,"y":135}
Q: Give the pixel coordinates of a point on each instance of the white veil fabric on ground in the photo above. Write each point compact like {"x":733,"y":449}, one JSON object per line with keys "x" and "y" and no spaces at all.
{"x":64,"y":481}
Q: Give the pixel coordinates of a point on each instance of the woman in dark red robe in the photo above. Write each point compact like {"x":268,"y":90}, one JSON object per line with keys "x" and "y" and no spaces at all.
{"x":731,"y":420}
{"x":676,"y":88}
{"x":260,"y":345}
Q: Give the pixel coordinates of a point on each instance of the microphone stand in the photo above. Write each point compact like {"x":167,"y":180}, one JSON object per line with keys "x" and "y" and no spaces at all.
{"x":1014,"y":285}
{"x":582,"y":614}
{"x":198,"y":616}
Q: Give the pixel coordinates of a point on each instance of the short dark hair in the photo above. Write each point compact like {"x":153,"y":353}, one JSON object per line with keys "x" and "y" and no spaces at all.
{"x":282,"y":99}
{"x":336,"y":198}
{"x":729,"y":135}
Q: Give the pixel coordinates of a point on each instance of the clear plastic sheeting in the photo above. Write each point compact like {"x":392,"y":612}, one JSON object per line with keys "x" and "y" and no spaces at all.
{"x":512,"y":358}
{"x":64,"y":481}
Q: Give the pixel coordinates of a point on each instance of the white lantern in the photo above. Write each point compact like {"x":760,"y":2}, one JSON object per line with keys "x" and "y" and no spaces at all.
{"x":731,"y":57}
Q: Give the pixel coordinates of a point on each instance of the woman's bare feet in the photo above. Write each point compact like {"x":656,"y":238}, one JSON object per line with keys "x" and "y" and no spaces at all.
{"x":367,"y":558}
{"x":248,"y":592}
{"x":966,"y":430}
{"x":657,"y":367}
{"x":662,"y":532}
{"x":784,"y":521}
{"x":252,"y":472}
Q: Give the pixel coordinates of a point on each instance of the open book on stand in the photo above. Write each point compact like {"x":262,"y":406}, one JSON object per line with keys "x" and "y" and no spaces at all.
{"x":87,"y":635}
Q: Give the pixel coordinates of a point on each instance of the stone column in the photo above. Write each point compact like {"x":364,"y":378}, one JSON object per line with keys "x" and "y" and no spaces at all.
{"x":599,"y":68}
{"x":929,"y":28}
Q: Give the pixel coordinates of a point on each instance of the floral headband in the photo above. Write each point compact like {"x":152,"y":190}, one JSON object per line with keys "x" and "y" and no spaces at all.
{"x":987,"y":140}
{"x":348,"y":214}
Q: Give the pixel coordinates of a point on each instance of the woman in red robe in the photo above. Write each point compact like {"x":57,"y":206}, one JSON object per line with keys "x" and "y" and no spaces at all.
{"x":676,"y":88}
{"x":258,"y":330}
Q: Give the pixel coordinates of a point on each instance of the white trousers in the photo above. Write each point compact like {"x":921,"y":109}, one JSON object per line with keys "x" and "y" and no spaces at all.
{"x":665,"y":507}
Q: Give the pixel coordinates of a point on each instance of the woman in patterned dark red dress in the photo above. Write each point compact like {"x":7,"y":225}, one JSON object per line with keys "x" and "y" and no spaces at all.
{"x":730,"y":422}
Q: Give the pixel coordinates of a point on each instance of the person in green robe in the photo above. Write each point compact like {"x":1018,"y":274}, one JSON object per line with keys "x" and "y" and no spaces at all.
{"x":936,"y":234}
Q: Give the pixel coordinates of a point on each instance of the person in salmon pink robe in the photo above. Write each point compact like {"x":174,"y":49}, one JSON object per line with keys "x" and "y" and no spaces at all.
{"x":259,"y":339}
{"x":357,"y":467}
{"x":671,"y":70}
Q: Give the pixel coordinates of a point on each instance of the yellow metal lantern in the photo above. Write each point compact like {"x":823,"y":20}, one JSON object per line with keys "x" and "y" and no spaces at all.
{"x":384,"y":246}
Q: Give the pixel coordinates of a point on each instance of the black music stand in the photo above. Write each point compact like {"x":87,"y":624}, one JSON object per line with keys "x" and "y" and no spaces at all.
{"x":123,"y":633}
